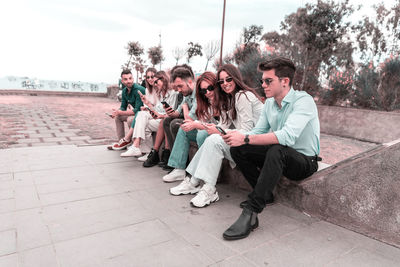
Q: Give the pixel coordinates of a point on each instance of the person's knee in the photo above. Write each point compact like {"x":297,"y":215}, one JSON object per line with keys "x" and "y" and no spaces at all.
{"x":175,"y":125}
{"x":166,"y":123}
{"x":275,"y":151}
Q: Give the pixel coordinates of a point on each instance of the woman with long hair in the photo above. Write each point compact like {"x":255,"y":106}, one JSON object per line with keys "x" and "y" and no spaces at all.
{"x":149,"y":118}
{"x":240,"y":107}
{"x":206,"y":109}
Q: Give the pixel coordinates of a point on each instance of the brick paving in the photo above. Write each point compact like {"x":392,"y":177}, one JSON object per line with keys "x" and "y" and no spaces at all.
{"x":64,"y":120}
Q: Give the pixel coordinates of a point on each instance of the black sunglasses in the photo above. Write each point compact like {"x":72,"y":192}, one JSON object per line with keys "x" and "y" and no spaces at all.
{"x":268,"y":81}
{"x":228,"y":80}
{"x":149,"y":77}
{"x":156,"y":81}
{"x":204,"y":90}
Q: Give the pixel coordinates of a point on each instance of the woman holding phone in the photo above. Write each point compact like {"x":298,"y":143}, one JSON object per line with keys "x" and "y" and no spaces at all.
{"x":149,"y":118}
{"x":206,"y":109}
{"x":241,"y":107}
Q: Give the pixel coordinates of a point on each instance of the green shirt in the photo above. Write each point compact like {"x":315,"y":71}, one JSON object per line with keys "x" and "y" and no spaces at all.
{"x":132,"y":98}
{"x":295,"y":124}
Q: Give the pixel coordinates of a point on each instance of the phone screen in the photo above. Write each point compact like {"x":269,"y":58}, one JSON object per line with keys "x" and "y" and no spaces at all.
{"x":220,"y":130}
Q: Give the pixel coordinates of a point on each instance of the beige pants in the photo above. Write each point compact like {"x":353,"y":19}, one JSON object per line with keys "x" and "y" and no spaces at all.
{"x":144,"y":127}
{"x":119,"y":124}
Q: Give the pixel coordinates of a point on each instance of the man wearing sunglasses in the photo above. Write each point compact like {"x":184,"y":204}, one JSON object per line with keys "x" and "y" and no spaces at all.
{"x":285,"y":141}
{"x":130,"y":96}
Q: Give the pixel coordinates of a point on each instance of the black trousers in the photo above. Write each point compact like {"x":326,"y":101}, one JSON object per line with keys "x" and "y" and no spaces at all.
{"x":263,"y":166}
{"x":171,"y":127}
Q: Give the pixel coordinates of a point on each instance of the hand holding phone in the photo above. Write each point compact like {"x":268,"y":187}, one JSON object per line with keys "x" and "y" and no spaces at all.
{"x":220,"y":130}
{"x":166,"y":105}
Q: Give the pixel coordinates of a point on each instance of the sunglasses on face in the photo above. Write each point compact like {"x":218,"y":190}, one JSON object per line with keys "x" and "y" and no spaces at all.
{"x":204,"y":90}
{"x":149,"y":77}
{"x":156,"y":81}
{"x":227,"y":79}
{"x":268,"y":81}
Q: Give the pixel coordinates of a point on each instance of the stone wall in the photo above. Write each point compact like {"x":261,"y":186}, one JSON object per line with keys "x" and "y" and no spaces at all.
{"x":112,"y":91}
{"x":367,"y":125}
{"x":361,"y":193}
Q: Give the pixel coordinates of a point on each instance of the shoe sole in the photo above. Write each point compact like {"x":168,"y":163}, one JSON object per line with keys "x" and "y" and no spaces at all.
{"x":229,"y":238}
{"x":118,"y":149}
{"x":207,"y":204}
{"x":192,"y":192}
{"x":177,"y":180}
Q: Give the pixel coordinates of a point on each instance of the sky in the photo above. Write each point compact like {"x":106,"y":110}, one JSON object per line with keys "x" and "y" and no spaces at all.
{"x":85,"y":40}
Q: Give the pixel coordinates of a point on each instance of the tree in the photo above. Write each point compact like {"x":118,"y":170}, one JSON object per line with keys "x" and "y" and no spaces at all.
{"x":194,"y":49}
{"x":380,"y":37}
{"x":210,"y":50}
{"x":247,"y":46}
{"x":178,"y":53}
{"x":155,"y":55}
{"x":316,"y":39}
{"x":135,"y":50}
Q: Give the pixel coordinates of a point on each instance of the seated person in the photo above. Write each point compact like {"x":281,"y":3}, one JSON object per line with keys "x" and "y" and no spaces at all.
{"x":130,"y":96}
{"x":205,"y":109}
{"x":285,"y":141}
{"x":148,"y":121}
{"x":241,"y":107}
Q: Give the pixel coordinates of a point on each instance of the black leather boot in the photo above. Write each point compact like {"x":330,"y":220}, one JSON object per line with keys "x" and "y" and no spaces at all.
{"x":246,"y":223}
{"x":152,"y":159}
{"x":164,"y":157}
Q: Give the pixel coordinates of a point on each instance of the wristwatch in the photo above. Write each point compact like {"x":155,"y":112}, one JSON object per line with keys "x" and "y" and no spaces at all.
{"x":246,"y":139}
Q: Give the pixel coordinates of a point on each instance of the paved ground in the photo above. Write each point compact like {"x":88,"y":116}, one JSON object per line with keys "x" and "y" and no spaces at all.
{"x":85,"y":206}
{"x":58,"y":120}
{"x":68,"y":205}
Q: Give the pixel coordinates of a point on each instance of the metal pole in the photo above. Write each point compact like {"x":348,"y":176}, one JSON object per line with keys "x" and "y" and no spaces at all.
{"x":222,"y":34}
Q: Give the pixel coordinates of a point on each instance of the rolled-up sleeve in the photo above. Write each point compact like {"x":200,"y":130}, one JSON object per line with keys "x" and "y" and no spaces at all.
{"x":304,"y":110}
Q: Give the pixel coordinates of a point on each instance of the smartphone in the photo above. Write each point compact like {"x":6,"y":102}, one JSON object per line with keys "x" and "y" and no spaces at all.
{"x":151,"y":113}
{"x":220,"y":130}
{"x":108,"y":114}
{"x":165,"y":104}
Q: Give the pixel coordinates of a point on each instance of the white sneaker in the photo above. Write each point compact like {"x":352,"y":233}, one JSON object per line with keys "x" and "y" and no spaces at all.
{"x":184,"y":188}
{"x":143,"y":158}
{"x":207,"y":195}
{"x":175,"y":175}
{"x":132,"y":152}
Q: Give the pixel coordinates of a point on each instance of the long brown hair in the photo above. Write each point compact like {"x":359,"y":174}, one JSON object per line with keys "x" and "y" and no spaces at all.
{"x":149,"y":86}
{"x":203,"y":103}
{"x":162,"y":75}
{"x":228,"y":102}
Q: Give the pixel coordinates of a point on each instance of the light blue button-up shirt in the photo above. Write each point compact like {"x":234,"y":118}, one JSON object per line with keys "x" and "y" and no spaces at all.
{"x":295,"y":124}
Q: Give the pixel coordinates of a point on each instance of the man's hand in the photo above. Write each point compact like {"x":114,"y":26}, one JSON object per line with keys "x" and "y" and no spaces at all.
{"x":170,"y":112}
{"x":234,"y":138}
{"x":189,"y":125}
{"x":115,"y":112}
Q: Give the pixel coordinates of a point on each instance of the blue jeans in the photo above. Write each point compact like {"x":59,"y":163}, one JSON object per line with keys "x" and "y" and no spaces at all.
{"x":180,"y":150}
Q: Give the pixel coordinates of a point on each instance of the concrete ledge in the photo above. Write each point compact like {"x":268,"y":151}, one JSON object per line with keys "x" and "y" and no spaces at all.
{"x":361,"y":193}
{"x":366,"y":125}
{"x":55,"y":93}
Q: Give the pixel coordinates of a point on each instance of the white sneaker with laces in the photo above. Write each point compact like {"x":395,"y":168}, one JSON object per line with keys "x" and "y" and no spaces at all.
{"x":207,"y":195}
{"x":175,"y":175}
{"x":132,"y":152}
{"x":144,"y":157}
{"x":184,"y":188}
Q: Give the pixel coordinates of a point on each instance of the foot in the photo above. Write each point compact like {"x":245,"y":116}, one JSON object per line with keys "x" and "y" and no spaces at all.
{"x":144,"y":157}
{"x":185,"y":188}
{"x":175,"y":175}
{"x":164,"y":157}
{"x":152,"y":159}
{"x":132,"y":152}
{"x":122,"y":144}
{"x":269,"y":202}
{"x":246,"y":223}
{"x":207,"y":195}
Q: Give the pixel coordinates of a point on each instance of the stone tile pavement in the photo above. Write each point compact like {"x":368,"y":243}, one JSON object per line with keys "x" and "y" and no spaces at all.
{"x":67,"y":205}
{"x":41,"y":120}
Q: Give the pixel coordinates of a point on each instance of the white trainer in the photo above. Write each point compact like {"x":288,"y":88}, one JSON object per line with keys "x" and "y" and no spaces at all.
{"x":175,"y":175}
{"x":184,"y":188}
{"x":144,"y":157}
{"x":132,"y":152}
{"x":207,"y":195}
